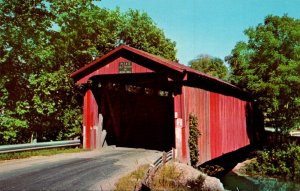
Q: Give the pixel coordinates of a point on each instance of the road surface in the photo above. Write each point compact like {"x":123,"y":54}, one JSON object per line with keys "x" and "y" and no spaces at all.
{"x":90,"y":170}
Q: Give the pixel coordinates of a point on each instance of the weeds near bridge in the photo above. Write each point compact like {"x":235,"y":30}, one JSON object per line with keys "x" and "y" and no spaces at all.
{"x":193,"y":139}
{"x":131,"y":181}
{"x":167,"y":177}
{"x":171,"y":178}
{"x":45,"y":152}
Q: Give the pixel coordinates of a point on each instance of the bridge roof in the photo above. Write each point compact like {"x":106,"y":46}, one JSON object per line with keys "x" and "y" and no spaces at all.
{"x":172,"y":66}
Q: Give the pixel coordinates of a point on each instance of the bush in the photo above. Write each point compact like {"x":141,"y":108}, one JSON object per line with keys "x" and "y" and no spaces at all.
{"x":193,"y":139}
{"x":279,"y":162}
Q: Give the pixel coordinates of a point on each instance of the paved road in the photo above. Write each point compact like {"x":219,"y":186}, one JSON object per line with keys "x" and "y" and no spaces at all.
{"x":93,"y":170}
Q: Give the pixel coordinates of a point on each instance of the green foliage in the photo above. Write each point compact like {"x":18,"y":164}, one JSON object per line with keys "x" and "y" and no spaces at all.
{"x":139,"y":31}
{"x":282,"y":162}
{"x":269,"y":66}
{"x":9,"y":124}
{"x":41,"y":43}
{"x":193,"y":139}
{"x":54,"y":100}
{"x":210,"y":65}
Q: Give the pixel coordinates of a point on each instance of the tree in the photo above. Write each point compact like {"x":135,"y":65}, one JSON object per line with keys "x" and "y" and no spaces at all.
{"x":268,"y":65}
{"x":23,"y":40}
{"x":138,"y":30}
{"x":41,"y":43}
{"x":210,"y":65}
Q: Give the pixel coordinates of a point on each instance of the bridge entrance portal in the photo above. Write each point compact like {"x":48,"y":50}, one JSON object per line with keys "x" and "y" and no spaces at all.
{"x":137,"y":110}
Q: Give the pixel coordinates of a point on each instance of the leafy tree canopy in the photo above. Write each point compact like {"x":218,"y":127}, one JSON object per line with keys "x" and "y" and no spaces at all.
{"x":41,"y":43}
{"x":268,"y":65}
{"x":210,"y":65}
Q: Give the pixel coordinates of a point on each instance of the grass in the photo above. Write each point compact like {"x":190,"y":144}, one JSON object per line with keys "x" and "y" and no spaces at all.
{"x":170,"y":178}
{"x":131,"y":181}
{"x":167,"y":177}
{"x":44,"y":152}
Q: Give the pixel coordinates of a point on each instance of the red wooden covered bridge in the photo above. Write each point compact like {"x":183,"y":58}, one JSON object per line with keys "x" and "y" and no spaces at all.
{"x":141,"y":100}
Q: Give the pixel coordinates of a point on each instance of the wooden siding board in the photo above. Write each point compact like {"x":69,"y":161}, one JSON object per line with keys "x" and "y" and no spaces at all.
{"x":86,"y":120}
{"x":113,"y":68}
{"x":182,"y":138}
{"x":214,"y":128}
{"x":90,"y":119}
{"x":221,"y":122}
{"x":228,"y":124}
{"x":185,"y":129}
{"x":197,"y":102}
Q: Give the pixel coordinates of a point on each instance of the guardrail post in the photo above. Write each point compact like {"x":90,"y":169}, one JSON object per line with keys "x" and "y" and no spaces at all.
{"x":164,"y":158}
{"x":173,"y":153}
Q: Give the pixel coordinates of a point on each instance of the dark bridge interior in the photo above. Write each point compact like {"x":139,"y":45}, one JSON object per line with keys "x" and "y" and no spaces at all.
{"x":137,"y":112}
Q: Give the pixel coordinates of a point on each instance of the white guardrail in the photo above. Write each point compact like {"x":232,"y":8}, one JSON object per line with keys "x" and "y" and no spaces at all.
{"x":35,"y":146}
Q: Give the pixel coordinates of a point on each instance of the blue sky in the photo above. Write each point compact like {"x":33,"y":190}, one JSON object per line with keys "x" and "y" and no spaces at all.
{"x":206,"y":26}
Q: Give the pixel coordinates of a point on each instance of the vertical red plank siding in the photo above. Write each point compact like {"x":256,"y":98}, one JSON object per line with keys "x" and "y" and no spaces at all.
{"x":113,"y":68}
{"x":86,"y":120}
{"x":214,"y":127}
{"x":221,"y":122}
{"x":227,"y":124}
{"x":197,"y":102}
{"x":185,"y":129}
{"x":90,"y":119}
{"x":177,"y":105}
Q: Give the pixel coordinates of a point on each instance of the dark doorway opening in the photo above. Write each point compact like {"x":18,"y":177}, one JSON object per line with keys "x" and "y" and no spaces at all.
{"x":138,"y":110}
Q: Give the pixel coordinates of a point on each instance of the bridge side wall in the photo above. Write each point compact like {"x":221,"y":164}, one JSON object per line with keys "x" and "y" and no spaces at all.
{"x":222,"y":122}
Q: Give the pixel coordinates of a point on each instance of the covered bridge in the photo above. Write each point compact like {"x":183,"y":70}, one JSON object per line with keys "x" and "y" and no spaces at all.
{"x":141,"y":100}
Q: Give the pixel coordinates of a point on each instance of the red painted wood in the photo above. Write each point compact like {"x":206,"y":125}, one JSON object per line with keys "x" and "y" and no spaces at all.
{"x":168,"y":65}
{"x":222,"y":119}
{"x":86,"y":119}
{"x":185,"y":130}
{"x":197,"y":103}
{"x":123,"y":48}
{"x":221,"y":122}
{"x":113,"y":68}
{"x":177,"y":106}
{"x":215,"y":133}
{"x":178,"y":111}
{"x":90,"y":119}
{"x":228,"y":124}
